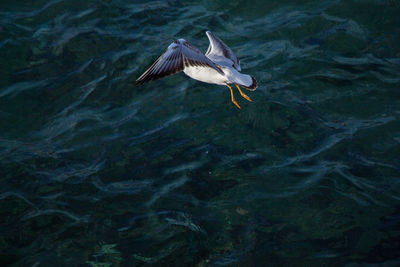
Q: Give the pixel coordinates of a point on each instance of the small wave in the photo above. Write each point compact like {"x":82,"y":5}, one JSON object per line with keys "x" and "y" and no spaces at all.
{"x":17,"y":88}
{"x":123,"y":187}
{"x":76,"y":219}
{"x":148,"y":134}
{"x":184,"y":167}
{"x":166,"y":189}
{"x":74,"y":174}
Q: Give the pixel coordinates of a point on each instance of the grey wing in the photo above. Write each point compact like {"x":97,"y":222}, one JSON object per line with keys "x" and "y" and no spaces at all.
{"x":218,"y":49}
{"x":167,"y":64}
{"x":178,"y":55}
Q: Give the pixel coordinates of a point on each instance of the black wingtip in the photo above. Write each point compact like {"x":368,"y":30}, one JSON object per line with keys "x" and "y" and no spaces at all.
{"x":140,"y":82}
{"x":144,"y":79}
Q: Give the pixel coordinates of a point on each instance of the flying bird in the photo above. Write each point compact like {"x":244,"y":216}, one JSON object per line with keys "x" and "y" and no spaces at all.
{"x":218,"y":66}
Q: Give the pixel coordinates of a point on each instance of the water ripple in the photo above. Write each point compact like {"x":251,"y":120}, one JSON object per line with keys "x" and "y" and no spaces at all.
{"x":170,"y":172}
{"x":353,"y":126}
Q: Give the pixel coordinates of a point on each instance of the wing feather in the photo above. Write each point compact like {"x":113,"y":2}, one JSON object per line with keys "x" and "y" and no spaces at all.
{"x":177,"y":56}
{"x":218,"y":49}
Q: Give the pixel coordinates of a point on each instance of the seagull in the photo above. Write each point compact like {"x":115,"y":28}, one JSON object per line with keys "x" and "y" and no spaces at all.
{"x":218,"y":66}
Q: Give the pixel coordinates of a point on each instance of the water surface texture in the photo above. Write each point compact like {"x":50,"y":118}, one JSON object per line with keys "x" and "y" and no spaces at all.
{"x":97,"y":172}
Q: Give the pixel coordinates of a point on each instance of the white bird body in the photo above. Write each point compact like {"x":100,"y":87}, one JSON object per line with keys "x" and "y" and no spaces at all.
{"x":210,"y":75}
{"x":206,"y":75}
{"x":218,"y":66}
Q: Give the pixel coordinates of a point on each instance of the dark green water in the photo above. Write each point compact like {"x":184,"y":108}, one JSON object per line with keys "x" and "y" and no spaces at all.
{"x":97,"y":172}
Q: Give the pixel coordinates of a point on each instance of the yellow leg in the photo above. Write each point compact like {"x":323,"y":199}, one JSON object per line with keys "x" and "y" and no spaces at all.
{"x":233,"y":99}
{"x":243,"y":94}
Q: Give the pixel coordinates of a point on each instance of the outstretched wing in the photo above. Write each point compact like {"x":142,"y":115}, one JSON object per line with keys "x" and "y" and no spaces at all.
{"x":219,"y":50}
{"x":178,"y":55}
